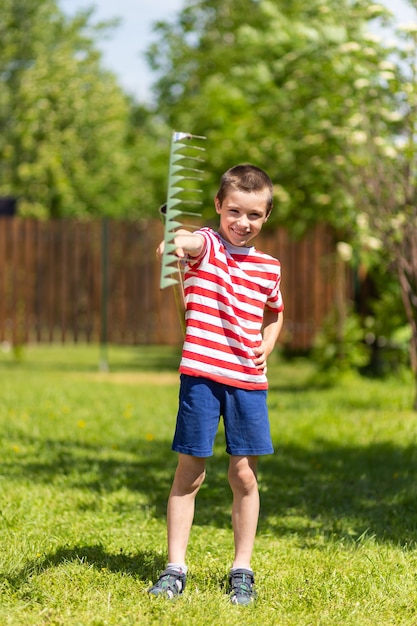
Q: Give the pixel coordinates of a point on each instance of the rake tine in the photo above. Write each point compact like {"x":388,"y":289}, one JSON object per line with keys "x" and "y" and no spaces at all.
{"x":182,"y":157}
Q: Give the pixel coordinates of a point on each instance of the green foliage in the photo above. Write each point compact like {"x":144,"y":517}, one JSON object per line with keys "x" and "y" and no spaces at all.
{"x":382,"y":177}
{"x":376,"y":344}
{"x":148,"y":148}
{"x":86,"y":469}
{"x":64,"y":146}
{"x":385,"y":317}
{"x":340,"y":344}
{"x":277,"y":84}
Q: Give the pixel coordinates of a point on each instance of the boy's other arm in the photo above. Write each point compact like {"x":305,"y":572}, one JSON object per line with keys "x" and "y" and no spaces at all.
{"x":271,"y":329}
{"x":186,"y":244}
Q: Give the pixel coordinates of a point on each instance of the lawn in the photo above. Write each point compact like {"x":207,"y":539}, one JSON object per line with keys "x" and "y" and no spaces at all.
{"x":85,"y":470}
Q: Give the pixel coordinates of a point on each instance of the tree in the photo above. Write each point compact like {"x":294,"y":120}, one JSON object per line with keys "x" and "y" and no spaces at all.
{"x":274,"y":83}
{"x":382,"y":177}
{"x":148,"y":147}
{"x":65,"y":122}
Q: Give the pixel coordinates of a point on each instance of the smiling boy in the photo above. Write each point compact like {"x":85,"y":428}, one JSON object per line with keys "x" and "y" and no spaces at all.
{"x":234,"y":314}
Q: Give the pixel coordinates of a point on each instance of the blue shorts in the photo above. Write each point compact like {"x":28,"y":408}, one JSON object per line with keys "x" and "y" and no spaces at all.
{"x":245,"y":415}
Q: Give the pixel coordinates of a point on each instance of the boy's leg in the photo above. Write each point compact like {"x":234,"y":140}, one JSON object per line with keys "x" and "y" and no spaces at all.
{"x":189,"y":476}
{"x":245,"y":508}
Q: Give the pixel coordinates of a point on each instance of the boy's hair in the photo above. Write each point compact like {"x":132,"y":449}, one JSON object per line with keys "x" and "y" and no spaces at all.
{"x":247,"y":178}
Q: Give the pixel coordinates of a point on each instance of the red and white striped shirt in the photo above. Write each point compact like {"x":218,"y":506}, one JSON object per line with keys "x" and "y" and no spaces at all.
{"x":226,"y":291}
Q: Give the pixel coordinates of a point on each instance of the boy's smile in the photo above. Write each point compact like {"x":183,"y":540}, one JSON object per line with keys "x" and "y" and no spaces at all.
{"x":242,"y":216}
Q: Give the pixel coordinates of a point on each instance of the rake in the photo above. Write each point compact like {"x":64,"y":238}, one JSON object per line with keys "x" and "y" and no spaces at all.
{"x":182,"y":195}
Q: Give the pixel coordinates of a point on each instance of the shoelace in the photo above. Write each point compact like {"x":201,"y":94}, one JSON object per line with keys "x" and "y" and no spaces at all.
{"x":242,"y":582}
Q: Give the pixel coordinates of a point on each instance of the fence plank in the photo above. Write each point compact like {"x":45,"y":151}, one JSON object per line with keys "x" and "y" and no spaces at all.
{"x":51,"y":283}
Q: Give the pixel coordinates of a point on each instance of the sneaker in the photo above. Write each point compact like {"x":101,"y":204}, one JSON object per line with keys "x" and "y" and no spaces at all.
{"x":170,"y":584}
{"x":241,"y":586}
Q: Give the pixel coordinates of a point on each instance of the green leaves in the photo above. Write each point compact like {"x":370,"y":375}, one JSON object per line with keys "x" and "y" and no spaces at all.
{"x":276,"y":84}
{"x":65,"y":120}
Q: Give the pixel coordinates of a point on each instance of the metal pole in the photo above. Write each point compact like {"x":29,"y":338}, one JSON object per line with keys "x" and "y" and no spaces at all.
{"x":104,"y":362}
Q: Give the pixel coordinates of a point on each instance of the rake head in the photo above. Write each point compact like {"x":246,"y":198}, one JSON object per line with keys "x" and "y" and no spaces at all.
{"x":184,"y":176}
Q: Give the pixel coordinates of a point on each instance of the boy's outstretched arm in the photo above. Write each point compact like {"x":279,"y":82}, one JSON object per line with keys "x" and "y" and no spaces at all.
{"x":186,"y":243}
{"x":271,"y":329}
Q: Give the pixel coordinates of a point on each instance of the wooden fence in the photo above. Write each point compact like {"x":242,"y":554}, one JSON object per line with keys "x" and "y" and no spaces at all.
{"x":99,"y":281}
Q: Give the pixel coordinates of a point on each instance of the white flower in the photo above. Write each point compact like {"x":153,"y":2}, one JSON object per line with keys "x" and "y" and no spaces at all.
{"x":356,"y":119}
{"x":392,"y":116}
{"x":409,"y":27}
{"x":387,"y":65}
{"x":379,"y":141}
{"x":359,"y":137}
{"x":362,"y":221}
{"x":387,"y":75}
{"x":372,"y":37}
{"x":361,"y":82}
{"x":390,"y":152}
{"x":398,"y":221}
{"x":377,"y":9}
{"x":373,"y":243}
{"x":344,"y":250}
{"x":350,"y":46}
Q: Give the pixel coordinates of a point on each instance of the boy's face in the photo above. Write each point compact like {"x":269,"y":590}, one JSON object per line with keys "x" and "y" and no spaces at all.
{"x":242,"y":216}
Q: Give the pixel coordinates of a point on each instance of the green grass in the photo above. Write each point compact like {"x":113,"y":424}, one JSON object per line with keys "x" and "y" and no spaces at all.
{"x":86,"y":467}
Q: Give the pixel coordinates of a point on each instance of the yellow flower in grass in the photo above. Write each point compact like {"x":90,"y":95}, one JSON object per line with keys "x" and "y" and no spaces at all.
{"x":81,"y":424}
{"x":128,"y":411}
{"x":149,"y":437}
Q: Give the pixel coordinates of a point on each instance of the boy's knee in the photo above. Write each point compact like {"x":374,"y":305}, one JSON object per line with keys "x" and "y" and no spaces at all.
{"x":242,"y":478}
{"x":190,"y":476}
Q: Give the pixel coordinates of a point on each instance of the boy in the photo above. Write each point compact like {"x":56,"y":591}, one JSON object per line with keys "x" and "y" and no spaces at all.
{"x":233,"y":319}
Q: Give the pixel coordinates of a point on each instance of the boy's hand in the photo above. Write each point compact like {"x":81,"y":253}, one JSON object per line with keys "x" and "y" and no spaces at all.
{"x":260,"y":358}
{"x":160,"y":249}
{"x":272,"y":327}
{"x":179,"y":252}
{"x":187,"y":244}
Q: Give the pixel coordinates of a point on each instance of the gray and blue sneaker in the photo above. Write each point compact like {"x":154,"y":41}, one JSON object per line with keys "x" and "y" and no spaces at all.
{"x":241,"y":586}
{"x":170,"y":584}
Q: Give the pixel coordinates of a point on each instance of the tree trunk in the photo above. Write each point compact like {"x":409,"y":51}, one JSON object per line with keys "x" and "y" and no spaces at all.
{"x":408,"y":300}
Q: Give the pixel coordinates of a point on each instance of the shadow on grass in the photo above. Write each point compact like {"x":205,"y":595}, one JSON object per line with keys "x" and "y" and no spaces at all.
{"x":341,"y":492}
{"x":326,"y":490}
{"x":146,"y":467}
{"x":141,"y":565}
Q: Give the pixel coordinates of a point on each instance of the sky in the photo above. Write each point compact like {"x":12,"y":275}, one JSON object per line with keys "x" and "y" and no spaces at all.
{"x":123,"y":52}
